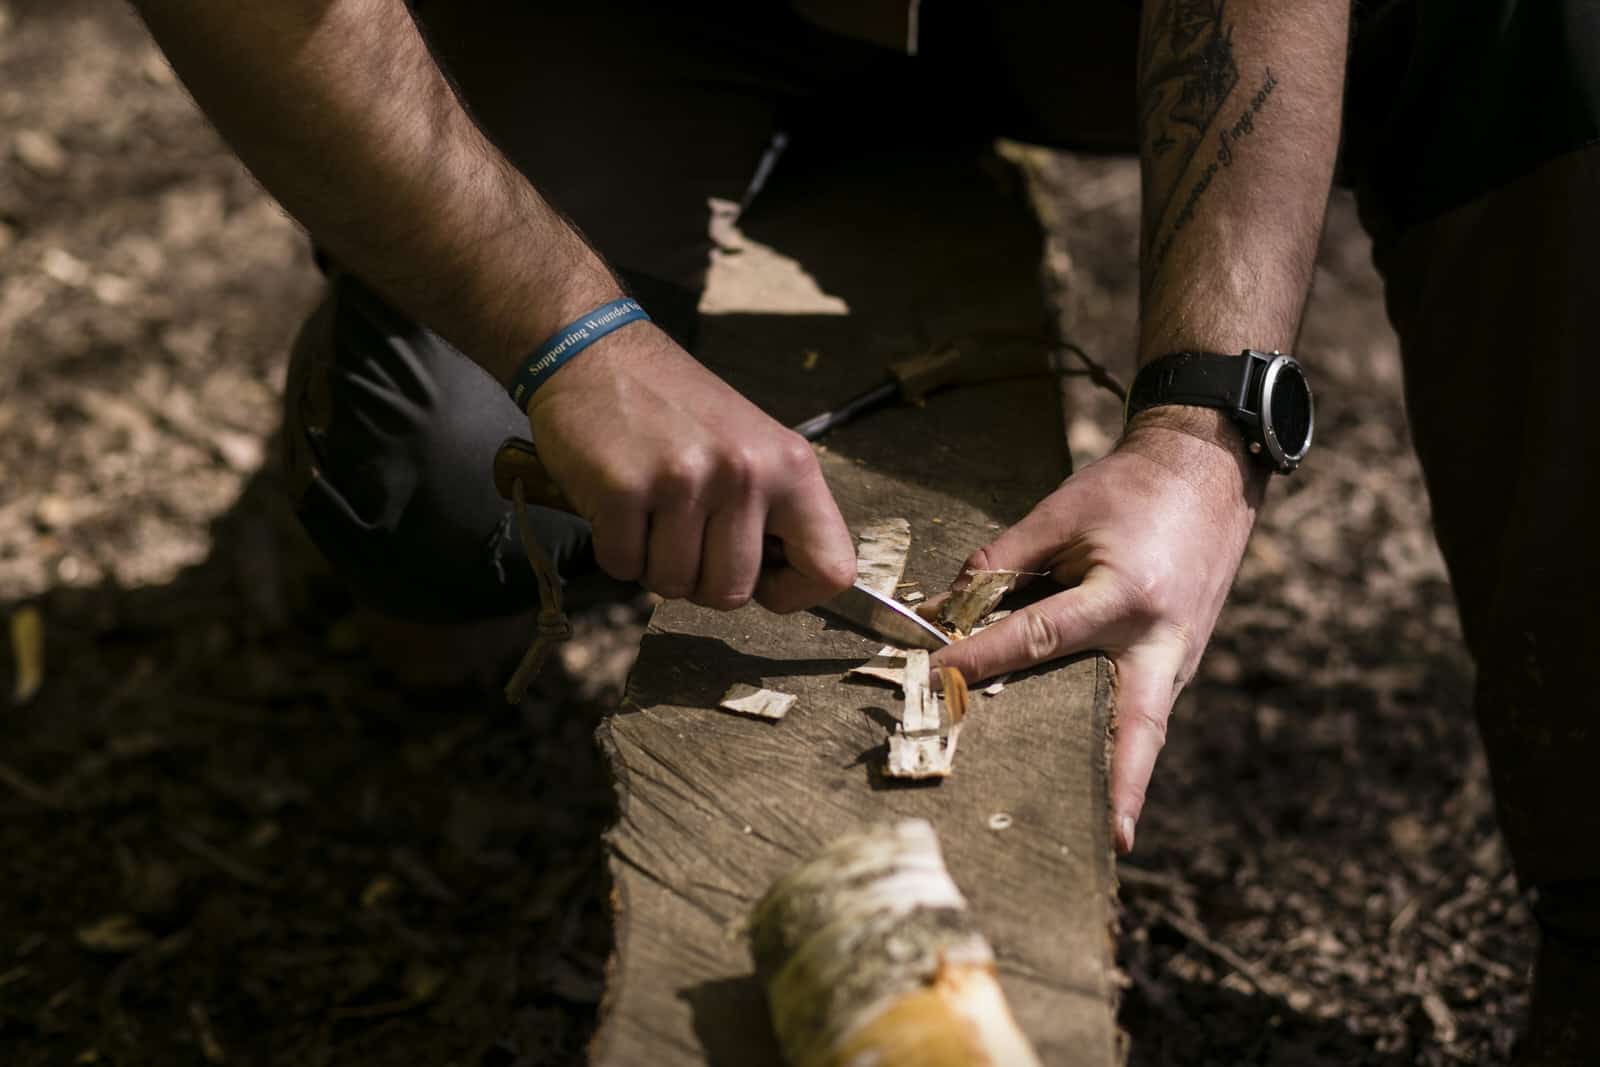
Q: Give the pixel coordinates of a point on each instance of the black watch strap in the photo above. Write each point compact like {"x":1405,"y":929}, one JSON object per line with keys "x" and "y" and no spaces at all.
{"x":1202,"y":379}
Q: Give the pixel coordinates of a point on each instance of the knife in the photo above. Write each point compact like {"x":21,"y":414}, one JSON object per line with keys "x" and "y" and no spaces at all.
{"x":885,"y":618}
{"x":864,"y":608}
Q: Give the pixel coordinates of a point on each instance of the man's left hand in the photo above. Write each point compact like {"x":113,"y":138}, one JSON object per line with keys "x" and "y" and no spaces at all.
{"x":1147,"y":541}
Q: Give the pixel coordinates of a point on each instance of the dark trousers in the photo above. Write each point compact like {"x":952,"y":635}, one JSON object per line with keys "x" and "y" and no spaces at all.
{"x":630,"y":118}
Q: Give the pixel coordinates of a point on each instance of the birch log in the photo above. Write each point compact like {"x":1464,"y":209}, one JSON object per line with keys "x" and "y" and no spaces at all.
{"x":870,"y":956}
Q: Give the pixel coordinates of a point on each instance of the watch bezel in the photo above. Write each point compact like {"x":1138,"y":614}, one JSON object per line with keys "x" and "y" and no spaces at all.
{"x":1281,"y":458}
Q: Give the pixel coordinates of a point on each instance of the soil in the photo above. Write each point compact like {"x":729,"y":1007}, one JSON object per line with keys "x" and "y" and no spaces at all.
{"x":233,"y":833}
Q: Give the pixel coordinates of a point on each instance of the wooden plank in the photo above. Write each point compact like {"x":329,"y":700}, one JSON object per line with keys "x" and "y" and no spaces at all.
{"x":715,"y":806}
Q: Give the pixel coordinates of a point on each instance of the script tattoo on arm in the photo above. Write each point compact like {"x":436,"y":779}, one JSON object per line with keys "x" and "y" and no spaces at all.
{"x":1187,"y":73}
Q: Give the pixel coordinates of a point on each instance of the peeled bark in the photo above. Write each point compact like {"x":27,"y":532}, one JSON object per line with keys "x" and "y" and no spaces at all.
{"x":881,"y":555}
{"x":967,"y":606}
{"x":923,"y":744}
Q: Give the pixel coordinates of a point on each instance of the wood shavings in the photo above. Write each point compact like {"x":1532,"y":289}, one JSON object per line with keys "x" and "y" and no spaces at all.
{"x":923,"y":744}
{"x":761,"y":703}
{"x":887,"y":666}
{"x":966,"y":606}
{"x":869,"y":954}
{"x":913,"y":597}
{"x":881,"y":553}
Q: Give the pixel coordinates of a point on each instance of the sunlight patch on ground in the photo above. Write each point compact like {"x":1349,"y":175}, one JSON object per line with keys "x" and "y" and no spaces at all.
{"x":750,"y":277}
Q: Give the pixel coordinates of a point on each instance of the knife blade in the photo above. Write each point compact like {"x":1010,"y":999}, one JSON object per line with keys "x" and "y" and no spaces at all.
{"x":885,"y":618}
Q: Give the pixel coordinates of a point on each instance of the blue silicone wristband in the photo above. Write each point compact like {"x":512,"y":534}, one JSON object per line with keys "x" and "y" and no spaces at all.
{"x":568,"y":342}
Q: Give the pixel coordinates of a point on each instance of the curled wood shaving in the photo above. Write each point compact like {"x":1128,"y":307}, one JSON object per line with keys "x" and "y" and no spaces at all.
{"x":961,"y":612}
{"x":954,"y":691}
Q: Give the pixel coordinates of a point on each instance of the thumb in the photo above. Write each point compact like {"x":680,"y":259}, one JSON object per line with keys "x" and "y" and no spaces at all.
{"x":1033,"y":544}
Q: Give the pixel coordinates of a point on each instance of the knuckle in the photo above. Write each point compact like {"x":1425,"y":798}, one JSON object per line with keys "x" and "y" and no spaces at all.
{"x":1040,"y":636}
{"x":741,"y":469}
{"x":619,"y":488}
{"x":1183,"y":638}
{"x":794,"y":454}
{"x":683,"y":474}
{"x":1150,"y":721}
{"x":1145,"y":593}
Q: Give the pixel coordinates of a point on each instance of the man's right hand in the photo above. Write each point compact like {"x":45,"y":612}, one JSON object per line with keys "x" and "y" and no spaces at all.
{"x":683,"y":478}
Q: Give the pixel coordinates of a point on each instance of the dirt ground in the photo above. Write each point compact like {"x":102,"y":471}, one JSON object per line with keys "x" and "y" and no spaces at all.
{"x":231,"y":834}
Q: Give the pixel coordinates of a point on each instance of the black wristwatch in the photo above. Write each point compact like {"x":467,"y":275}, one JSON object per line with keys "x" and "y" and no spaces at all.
{"x":1266,"y":393}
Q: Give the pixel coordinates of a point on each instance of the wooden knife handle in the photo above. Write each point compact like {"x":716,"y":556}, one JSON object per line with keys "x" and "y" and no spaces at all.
{"x":517,"y":459}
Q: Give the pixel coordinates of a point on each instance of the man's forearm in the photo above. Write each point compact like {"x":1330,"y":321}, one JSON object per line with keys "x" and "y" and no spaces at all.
{"x":1239,"y":123}
{"x":339,"y":109}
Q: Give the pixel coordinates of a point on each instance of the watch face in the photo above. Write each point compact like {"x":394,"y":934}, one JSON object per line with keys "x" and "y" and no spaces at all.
{"x":1288,"y":418}
{"x":1291,"y":410}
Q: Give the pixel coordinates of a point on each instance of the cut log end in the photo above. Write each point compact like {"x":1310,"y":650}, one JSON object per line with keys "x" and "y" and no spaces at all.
{"x":870,"y":956}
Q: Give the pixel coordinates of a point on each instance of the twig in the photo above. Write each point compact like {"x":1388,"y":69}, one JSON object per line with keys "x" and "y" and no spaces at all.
{"x":225,"y":863}
{"x":29,"y":790}
{"x":1128,"y":874}
{"x":1198,"y":936}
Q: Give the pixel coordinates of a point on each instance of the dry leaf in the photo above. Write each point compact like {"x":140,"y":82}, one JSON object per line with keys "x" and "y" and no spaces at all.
{"x":377,"y":891}
{"x":27,"y":653}
{"x":115,"y":934}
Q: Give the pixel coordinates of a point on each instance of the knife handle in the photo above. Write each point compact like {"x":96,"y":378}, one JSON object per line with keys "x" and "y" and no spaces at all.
{"x":517,"y":460}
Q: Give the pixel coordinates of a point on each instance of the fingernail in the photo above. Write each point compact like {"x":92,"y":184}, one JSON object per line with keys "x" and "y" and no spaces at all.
{"x":1124,"y":834}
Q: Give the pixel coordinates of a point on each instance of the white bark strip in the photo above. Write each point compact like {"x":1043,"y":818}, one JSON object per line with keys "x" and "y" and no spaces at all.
{"x":881,"y":554}
{"x":870,"y":956}
{"x":889,"y":665}
{"x":762,"y":703}
{"x":923,"y":744}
